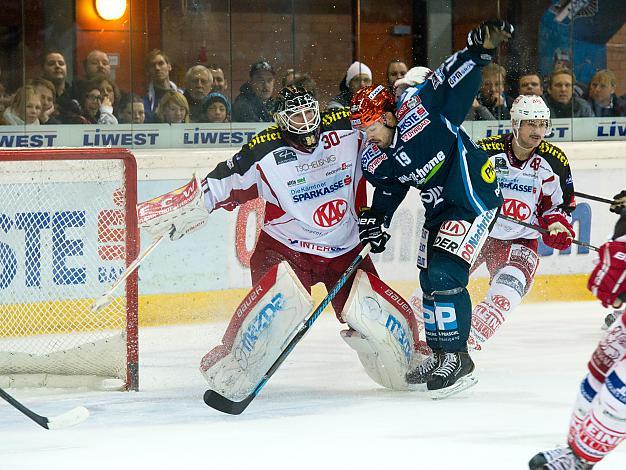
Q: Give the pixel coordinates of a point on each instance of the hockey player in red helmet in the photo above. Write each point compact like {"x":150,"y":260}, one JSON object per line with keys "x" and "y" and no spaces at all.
{"x":419,"y":143}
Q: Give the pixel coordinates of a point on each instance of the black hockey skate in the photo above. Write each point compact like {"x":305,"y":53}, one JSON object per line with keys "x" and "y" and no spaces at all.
{"x":455,"y":374}
{"x":561,"y":458}
{"x":421,"y":374}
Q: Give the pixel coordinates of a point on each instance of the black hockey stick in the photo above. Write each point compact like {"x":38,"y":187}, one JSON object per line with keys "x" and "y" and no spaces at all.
{"x":594,"y":198}
{"x":226,"y":405}
{"x":65,"y":420}
{"x":543,"y":230}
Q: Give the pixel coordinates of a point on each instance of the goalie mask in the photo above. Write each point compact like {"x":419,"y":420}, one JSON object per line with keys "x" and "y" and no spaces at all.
{"x":298,"y":116}
{"x":529,"y":108}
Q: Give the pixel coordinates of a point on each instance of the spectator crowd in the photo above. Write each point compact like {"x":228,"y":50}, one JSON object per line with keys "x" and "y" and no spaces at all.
{"x":96,"y":98}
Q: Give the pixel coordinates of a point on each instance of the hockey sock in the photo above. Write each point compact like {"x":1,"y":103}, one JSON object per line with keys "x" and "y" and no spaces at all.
{"x":587,"y":391}
{"x":448,"y":277}
{"x":505,"y":294}
{"x":611,"y":348}
{"x":604,"y":427}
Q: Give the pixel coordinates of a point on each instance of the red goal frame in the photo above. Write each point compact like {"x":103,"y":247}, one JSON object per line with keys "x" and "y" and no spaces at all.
{"x":131,"y":232}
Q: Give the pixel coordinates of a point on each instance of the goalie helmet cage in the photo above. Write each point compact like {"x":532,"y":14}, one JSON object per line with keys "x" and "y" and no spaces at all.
{"x":68,"y":229}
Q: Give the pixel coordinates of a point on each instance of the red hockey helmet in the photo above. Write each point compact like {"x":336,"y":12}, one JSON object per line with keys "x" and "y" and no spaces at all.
{"x":369,"y":104}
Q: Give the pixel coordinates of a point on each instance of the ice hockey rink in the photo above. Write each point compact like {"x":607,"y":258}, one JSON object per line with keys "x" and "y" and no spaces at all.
{"x":320,"y":410}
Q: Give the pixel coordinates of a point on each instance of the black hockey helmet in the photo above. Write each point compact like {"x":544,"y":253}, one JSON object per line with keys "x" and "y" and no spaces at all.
{"x":298,"y":116}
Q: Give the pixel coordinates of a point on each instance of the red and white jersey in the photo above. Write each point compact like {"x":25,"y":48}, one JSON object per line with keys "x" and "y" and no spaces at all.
{"x":537,"y":186}
{"x":312,"y":199}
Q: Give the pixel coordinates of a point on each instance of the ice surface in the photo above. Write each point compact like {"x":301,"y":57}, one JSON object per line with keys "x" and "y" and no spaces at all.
{"x":320,"y":410}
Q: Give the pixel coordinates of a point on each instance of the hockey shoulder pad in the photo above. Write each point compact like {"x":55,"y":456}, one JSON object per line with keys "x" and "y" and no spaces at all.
{"x":262,"y":326}
{"x":383,"y":331}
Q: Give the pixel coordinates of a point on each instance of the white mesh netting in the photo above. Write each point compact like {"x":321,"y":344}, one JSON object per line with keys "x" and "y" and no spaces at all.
{"x":62,"y":243}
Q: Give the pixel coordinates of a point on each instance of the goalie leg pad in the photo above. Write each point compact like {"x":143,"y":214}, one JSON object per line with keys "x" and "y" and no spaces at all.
{"x":262,"y":326}
{"x":383,"y":331}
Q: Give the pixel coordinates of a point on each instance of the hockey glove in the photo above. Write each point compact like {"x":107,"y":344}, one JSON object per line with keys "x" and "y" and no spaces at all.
{"x":371,"y":230}
{"x":488,"y":35}
{"x":560,"y":234}
{"x":619,"y":202}
{"x":608,"y":279}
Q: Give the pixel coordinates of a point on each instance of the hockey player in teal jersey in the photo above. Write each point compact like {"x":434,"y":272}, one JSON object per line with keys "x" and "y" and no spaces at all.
{"x":418,"y":142}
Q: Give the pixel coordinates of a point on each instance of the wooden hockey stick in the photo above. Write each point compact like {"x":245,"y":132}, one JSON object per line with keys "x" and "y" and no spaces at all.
{"x":543,"y":230}
{"x":65,"y":420}
{"x":107,"y":297}
{"x":226,"y":405}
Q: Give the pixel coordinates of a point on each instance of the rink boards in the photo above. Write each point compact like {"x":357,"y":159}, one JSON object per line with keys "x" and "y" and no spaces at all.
{"x":203,"y":276}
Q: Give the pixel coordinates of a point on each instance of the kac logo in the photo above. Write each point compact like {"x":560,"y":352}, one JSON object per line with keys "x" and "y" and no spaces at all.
{"x":517,"y":209}
{"x":501,"y":302}
{"x":330,"y":213}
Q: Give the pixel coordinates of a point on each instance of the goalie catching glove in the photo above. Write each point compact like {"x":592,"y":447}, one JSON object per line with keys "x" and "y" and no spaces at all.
{"x":608,"y":279}
{"x":561,"y":232}
{"x":174,"y":214}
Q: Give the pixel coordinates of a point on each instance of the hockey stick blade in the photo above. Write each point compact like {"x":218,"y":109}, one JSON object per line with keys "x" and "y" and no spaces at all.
{"x":65,"y":420}
{"x":220,"y":403}
{"x":225,"y":405}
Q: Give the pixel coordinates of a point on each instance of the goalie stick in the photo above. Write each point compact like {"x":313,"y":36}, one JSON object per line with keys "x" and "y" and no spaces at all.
{"x":106,"y":297}
{"x":65,"y":420}
{"x":226,"y":405}
{"x":543,"y":230}
{"x":162,"y":216}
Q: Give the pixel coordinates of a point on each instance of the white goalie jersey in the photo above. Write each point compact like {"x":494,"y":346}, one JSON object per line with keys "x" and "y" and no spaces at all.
{"x":312,"y":199}
{"x":535,"y":187}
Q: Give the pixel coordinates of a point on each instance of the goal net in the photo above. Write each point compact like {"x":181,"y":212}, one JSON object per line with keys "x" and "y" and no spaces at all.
{"x":68,"y":229}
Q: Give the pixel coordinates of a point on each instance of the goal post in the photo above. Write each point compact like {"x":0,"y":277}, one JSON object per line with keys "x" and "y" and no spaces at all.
{"x":68,"y":229}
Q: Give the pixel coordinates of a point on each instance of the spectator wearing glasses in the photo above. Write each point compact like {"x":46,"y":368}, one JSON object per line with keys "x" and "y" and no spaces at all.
{"x":254,"y":103}
{"x":198,"y":84}
{"x":96,"y":105}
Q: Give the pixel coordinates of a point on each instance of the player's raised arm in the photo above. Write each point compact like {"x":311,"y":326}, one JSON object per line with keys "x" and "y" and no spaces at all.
{"x":456,"y":81}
